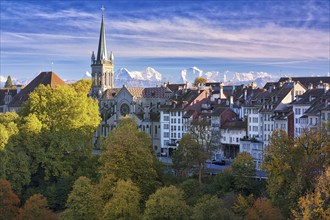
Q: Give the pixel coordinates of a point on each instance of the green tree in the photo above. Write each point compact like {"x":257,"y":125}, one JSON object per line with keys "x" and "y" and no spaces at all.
{"x":224,"y":182}
{"x":8,"y":127}
{"x":54,"y":135}
{"x":129,"y":155}
{"x":199,"y":80}
{"x":290,"y":163}
{"x":82,"y":201}
{"x":242,"y":204}
{"x":316,"y":205}
{"x":125,"y":202}
{"x":166,"y":203}
{"x":9,"y":82}
{"x":36,"y":208}
{"x":243,"y":169}
{"x":82,"y":86}
{"x":192,"y":190}
{"x":211,"y":208}
{"x":194,"y":149}
{"x":9,"y":201}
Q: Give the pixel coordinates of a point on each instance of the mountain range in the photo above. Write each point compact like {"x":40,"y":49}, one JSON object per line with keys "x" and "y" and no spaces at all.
{"x":151,"y":77}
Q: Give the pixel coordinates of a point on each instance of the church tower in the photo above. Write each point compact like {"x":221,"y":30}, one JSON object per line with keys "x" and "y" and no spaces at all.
{"x":102,"y":66}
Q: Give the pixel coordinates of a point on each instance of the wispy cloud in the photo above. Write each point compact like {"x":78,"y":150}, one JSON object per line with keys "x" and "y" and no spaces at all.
{"x":289,"y":32}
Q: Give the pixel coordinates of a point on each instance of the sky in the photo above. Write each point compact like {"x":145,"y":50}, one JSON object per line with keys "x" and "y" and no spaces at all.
{"x":280,"y":37}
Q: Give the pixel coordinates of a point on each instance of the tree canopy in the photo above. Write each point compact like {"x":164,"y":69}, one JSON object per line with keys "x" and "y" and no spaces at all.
{"x":290,"y":162}
{"x":199,"y":80}
{"x":50,"y":137}
{"x":125,"y":202}
{"x":129,"y":155}
{"x":166,"y":203}
{"x":9,"y":82}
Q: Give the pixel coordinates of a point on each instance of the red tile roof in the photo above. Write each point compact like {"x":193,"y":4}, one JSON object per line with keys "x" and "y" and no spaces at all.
{"x":45,"y":78}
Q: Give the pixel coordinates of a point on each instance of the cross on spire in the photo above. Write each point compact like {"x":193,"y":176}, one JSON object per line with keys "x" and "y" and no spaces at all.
{"x":102,"y":9}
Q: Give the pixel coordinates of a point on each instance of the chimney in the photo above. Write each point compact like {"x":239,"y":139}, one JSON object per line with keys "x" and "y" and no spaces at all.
{"x":310,"y":86}
{"x":326,"y":87}
{"x":18,"y":88}
{"x":221,"y":95}
{"x":254,"y":85}
{"x":245,"y":94}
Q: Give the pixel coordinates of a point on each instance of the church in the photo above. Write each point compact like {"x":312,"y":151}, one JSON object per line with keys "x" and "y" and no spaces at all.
{"x":142,"y":104}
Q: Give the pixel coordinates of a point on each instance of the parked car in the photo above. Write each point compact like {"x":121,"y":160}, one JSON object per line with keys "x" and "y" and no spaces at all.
{"x":219,"y":162}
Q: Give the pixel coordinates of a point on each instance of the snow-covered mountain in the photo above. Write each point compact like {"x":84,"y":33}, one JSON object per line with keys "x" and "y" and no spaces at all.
{"x":261,"y":78}
{"x":189,"y":75}
{"x":147,"y":78}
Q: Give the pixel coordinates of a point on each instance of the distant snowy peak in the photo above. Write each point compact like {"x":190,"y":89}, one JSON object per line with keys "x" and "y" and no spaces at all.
{"x":190,"y":74}
{"x":250,"y":76}
{"x":151,"y":74}
{"x":148,"y":77}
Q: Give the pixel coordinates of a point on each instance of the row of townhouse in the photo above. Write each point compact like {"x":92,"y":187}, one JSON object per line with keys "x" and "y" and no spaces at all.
{"x":294,"y":105}
{"x":243,"y":118}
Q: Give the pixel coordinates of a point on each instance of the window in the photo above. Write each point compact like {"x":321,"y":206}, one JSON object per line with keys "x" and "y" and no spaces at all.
{"x":166,"y":126}
{"x":236,"y":139}
{"x":174,"y":120}
{"x":179,"y":135}
{"x":166,"y":118}
{"x":179,"y":113}
{"x":255,"y":119}
{"x":166,"y":135}
{"x":155,"y":129}
{"x":174,"y":135}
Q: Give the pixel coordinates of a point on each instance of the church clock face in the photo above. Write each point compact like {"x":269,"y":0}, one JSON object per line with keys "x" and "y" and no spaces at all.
{"x":124,"y":109}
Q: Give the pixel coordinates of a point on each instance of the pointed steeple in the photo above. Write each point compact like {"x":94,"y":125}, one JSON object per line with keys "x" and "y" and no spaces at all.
{"x":102,"y":53}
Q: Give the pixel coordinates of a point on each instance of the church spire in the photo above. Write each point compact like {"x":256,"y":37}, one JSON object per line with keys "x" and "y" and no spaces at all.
{"x":102,"y":53}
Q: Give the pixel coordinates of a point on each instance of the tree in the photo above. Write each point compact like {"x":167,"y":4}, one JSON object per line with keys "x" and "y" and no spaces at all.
{"x":9,"y":201}
{"x":8,"y":127}
{"x":194,"y":149}
{"x":9,"y":82}
{"x":290,"y":163}
{"x":54,"y":135}
{"x":242,"y":204}
{"x":82,"y":86}
{"x":199,"y":80}
{"x":224,"y":182}
{"x":316,"y":205}
{"x":129,"y":155}
{"x":82,"y":201}
{"x":211,"y":208}
{"x":125,"y":202}
{"x":262,"y":209}
{"x":243,"y":169}
{"x":166,"y":203}
{"x":36,"y":208}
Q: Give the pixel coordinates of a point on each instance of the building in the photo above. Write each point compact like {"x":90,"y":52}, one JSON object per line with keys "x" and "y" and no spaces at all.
{"x":142,"y":104}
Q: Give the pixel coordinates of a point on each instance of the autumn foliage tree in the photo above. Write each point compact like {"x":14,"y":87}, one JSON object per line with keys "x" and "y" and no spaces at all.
{"x":291,"y":163}
{"x":262,"y":209}
{"x":9,"y":201}
{"x":316,"y":205}
{"x":199,"y":80}
{"x":36,"y":208}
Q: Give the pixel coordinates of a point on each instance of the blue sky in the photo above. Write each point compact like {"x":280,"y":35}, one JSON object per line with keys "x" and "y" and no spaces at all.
{"x":280,"y":37}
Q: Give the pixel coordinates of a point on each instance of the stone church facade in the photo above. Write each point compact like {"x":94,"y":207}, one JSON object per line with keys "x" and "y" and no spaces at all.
{"x":142,"y":104}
